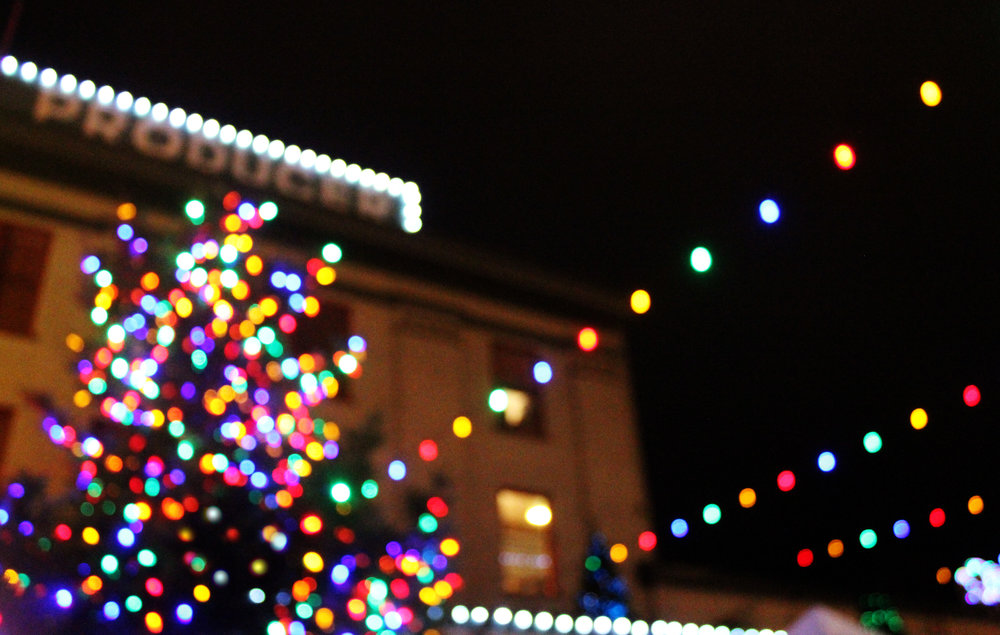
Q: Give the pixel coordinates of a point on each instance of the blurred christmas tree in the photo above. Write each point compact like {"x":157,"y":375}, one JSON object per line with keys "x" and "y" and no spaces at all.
{"x":211,"y":497}
{"x":603,"y":591}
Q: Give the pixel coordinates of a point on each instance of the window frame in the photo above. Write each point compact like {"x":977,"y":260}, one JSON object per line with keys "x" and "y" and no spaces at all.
{"x":512,"y":369}
{"x":545,"y":585}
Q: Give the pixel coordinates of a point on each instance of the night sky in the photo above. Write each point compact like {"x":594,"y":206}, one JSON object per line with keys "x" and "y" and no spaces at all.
{"x":605,"y":141}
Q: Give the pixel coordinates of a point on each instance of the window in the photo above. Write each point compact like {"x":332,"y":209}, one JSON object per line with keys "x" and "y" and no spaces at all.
{"x":23,"y":253}
{"x":516,"y":395}
{"x":526,"y":561}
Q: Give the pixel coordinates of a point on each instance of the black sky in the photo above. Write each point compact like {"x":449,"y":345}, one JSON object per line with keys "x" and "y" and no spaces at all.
{"x":606,"y":140}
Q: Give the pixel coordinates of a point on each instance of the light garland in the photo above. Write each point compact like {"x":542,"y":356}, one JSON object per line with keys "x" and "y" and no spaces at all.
{"x":565,"y":624}
{"x":407,"y":194}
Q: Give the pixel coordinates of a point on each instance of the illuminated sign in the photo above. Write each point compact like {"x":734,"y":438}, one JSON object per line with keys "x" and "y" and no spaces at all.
{"x":173,"y":135}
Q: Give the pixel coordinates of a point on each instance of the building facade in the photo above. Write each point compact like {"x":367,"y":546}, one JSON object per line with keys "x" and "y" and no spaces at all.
{"x":536,"y":437}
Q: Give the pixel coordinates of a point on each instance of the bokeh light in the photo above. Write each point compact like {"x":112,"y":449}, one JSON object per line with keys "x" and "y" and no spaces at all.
{"x":332,"y":253}
{"x":679,"y":528}
{"x":943,"y":575}
{"x":498,"y":400}
{"x":748,"y":497}
{"x":901,"y":529}
{"x":835,"y":548}
{"x":461,"y":427}
{"x":843,"y":156}
{"x":826,"y":461}
{"x":872,"y":442}
{"x":786,"y":480}
{"x":647,"y":541}
{"x":936,"y":517}
{"x":195,"y":210}
{"x":701,"y":259}
{"x":976,"y":505}
{"x":769,"y":211}
{"x":711,"y":514}
{"x":428,"y":450}
{"x":868,"y":538}
{"x":542,"y":372}
{"x":804,"y":557}
{"x":930,"y":93}
{"x":618,"y":553}
{"x":538,"y":515}
{"x":918,"y":419}
{"x":397,"y":470}
{"x":970,"y":395}
{"x":640,"y":301}
{"x":586,"y":339}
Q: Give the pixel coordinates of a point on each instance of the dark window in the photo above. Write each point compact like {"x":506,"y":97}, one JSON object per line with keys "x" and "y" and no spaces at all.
{"x":516,"y":393}
{"x":23,"y":254}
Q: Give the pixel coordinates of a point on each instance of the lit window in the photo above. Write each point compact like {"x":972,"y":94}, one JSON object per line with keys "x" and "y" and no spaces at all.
{"x":23,"y":252}
{"x":516,"y":393}
{"x":526,"y":562}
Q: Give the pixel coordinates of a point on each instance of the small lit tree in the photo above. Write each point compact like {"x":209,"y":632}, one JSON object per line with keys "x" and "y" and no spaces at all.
{"x":603,"y":591}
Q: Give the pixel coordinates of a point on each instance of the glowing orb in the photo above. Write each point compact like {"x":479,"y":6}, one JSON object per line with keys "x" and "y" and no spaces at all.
{"x":397,"y":470}
{"x":872,"y":442}
{"x":586,"y":339}
{"x":679,"y":528}
{"x":930,"y":93}
{"x":540,"y":515}
{"x":901,"y":529}
{"x":647,"y":541}
{"x":126,"y":211}
{"x":64,"y":598}
{"x":836,"y":548}
{"x":868,"y":538}
{"x":804,"y":558}
{"x":826,"y":461}
{"x":936,"y":517}
{"x":769,"y":211}
{"x":542,"y":372}
{"x":195,"y":210}
{"x":428,"y":450}
{"x":918,"y":419}
{"x":748,"y":497}
{"x":786,"y":481}
{"x":976,"y":505}
{"x":340,"y":492}
{"x":943,"y":575}
{"x":971,"y":395}
{"x":461,"y":427}
{"x":332,"y":253}
{"x":498,"y":400}
{"x":843,"y":156}
{"x":701,"y":259}
{"x":711,"y":514}
{"x":640,"y":301}
{"x":618,"y":553}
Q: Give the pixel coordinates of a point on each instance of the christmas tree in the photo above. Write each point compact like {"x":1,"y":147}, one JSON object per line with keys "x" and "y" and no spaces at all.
{"x":212,"y":496}
{"x":603,"y":591}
